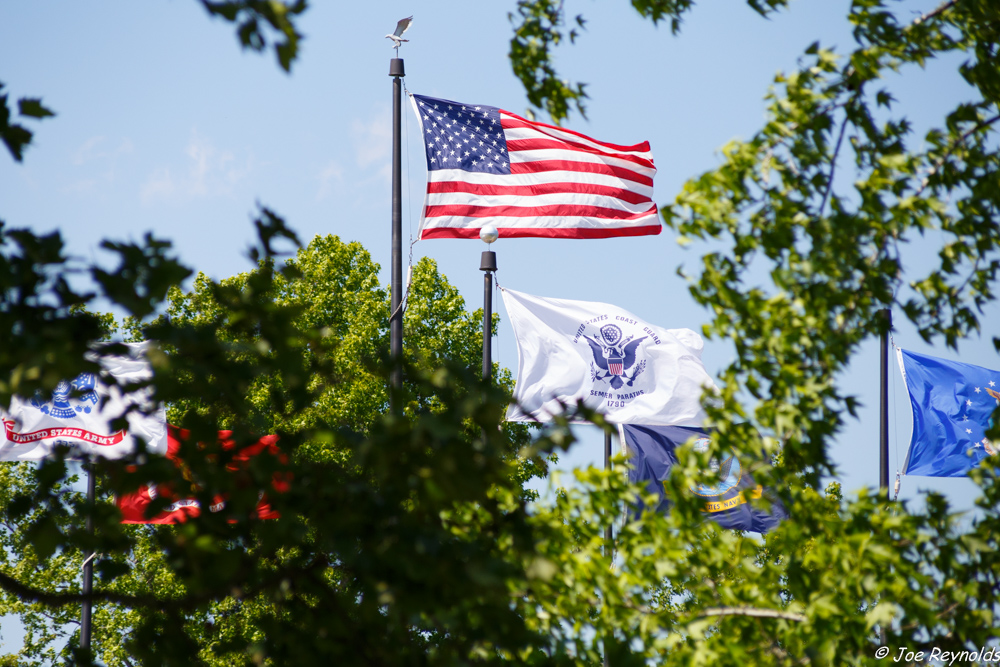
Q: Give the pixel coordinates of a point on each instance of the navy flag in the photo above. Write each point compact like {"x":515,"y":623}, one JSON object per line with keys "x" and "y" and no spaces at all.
{"x":652,"y":453}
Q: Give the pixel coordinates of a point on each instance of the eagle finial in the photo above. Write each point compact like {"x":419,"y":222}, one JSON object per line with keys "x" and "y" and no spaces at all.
{"x":402,"y":26}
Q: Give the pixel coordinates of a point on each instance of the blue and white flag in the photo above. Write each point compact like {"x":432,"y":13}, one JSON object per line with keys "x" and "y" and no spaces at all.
{"x":952,"y":406}
{"x":629,"y":370}
{"x":652,"y":454}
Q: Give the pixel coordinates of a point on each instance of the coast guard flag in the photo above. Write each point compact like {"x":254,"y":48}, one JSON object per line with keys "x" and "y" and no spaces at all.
{"x":485,"y":164}
{"x":627,"y":369}
{"x":78,"y":412}
{"x":652,"y":453}
{"x":952,"y":406}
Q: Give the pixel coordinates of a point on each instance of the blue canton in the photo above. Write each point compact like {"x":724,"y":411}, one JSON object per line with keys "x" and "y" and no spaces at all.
{"x":463,"y":136}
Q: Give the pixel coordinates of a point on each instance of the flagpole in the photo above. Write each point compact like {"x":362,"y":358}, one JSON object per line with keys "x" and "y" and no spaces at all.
{"x":883,"y":480}
{"x":883,"y":468}
{"x":88,"y":563}
{"x":607,"y":467}
{"x":488,"y":264}
{"x":607,"y":529}
{"x":396,"y":71}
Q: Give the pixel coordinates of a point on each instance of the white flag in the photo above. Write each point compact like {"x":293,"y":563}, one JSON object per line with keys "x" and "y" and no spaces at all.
{"x":625,"y":368}
{"x":74,"y":416}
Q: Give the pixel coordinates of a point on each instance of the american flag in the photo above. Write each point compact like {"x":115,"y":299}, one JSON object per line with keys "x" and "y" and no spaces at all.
{"x":487,"y":165}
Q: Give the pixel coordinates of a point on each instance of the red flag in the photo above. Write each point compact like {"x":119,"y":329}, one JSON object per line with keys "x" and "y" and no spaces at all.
{"x":488,"y":165}
{"x":133,"y":506}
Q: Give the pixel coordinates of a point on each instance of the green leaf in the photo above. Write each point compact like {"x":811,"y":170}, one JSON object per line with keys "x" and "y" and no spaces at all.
{"x":33,"y":108}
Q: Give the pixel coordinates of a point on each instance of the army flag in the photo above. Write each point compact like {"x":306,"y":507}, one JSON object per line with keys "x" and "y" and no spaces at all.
{"x":631,"y":371}
{"x":729,"y":501}
{"x":77,"y":415}
{"x":525,"y":178}
{"x":952,"y":405}
{"x":183,"y":505}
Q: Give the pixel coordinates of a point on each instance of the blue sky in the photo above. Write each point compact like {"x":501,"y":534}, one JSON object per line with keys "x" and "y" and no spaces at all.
{"x":165,"y":125}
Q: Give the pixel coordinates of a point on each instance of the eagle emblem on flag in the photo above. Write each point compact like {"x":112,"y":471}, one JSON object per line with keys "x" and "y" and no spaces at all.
{"x":614,"y":355}
{"x":729,"y":473}
{"x":69,"y":398}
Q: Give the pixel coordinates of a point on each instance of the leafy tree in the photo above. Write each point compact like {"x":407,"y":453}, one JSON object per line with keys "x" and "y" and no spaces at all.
{"x":293,"y":350}
{"x":412,"y":542}
{"x":822,"y":200}
{"x":321,"y":321}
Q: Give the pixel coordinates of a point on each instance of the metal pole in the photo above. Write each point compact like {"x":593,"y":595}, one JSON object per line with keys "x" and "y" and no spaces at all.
{"x":883,"y":479}
{"x":396,"y":288}
{"x":883,"y":468}
{"x":607,"y":530}
{"x":488,"y":264}
{"x":88,"y":565}
{"x":607,"y":466}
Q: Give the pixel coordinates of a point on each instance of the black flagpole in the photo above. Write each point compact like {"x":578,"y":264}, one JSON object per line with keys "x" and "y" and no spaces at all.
{"x":396,"y":71}
{"x":607,"y":466}
{"x":607,"y":530}
{"x":883,"y":468}
{"x":88,"y":564}
{"x":488,"y":264}
{"x":883,"y":480}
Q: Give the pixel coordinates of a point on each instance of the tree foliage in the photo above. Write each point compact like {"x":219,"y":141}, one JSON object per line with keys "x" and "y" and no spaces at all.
{"x":822,"y":202}
{"x":291,"y":348}
{"x":14,"y":135}
{"x":409,"y":540}
{"x":256,"y":19}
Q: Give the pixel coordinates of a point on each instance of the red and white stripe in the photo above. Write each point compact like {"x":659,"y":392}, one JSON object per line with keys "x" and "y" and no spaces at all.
{"x":562,"y":184}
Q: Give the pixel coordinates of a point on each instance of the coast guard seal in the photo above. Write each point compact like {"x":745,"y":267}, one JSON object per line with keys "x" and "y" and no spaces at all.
{"x":616,"y":346}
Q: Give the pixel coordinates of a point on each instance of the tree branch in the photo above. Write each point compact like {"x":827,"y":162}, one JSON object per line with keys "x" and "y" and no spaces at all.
{"x":25,"y":592}
{"x":833,"y":165}
{"x":752,"y":611}
{"x":931,"y":14}
{"x":938,"y":163}
{"x":728,"y":611}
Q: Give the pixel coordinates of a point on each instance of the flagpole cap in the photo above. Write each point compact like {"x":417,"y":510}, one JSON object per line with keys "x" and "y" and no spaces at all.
{"x":396,"y":67}
{"x":488,"y":261}
{"x":489,"y":233}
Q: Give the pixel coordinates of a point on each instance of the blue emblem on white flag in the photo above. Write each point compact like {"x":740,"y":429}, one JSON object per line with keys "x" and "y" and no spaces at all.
{"x":630,"y":370}
{"x":615,"y":355}
{"x":952,"y":406}
{"x":81,"y":414}
{"x":69,"y":398}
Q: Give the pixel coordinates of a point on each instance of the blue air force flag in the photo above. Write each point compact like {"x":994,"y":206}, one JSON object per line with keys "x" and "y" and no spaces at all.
{"x":627,"y":369}
{"x":952,"y":405}
{"x":652,"y":454}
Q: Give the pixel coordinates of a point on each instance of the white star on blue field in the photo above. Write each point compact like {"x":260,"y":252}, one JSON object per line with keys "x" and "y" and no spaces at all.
{"x":462,"y":136}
